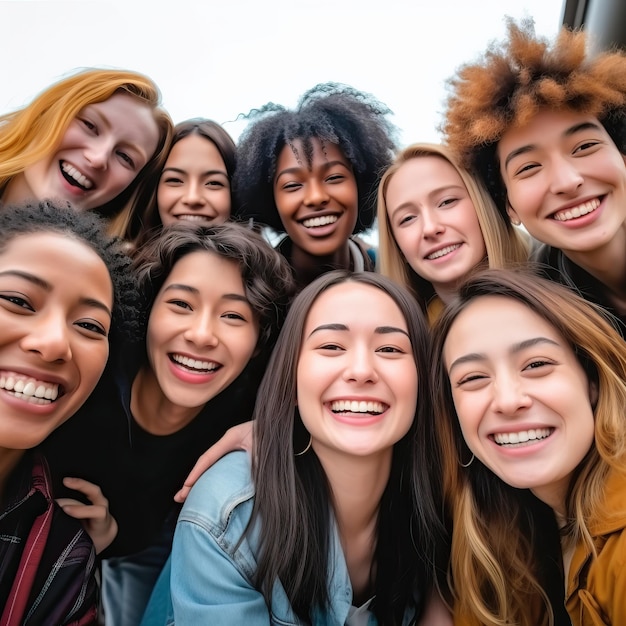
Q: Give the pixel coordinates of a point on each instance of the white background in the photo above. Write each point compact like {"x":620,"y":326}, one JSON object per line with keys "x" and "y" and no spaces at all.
{"x":218,"y":59}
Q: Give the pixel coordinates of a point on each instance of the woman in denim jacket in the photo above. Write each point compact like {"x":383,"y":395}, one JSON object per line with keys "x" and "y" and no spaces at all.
{"x":320,"y":529}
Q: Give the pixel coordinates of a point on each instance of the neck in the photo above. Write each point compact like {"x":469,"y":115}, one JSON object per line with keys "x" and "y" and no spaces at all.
{"x":554,"y":496}
{"x":152,"y":410}
{"x":307,"y":267}
{"x":357,"y":485}
{"x":608,"y":266}
{"x":9,"y":459}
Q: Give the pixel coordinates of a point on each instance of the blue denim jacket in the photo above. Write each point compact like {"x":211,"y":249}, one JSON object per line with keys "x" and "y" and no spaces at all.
{"x":211,"y":576}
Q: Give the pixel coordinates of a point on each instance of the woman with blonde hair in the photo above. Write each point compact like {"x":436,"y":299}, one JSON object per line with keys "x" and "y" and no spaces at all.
{"x":93,"y":139}
{"x":436,"y":223}
{"x":532,"y":409}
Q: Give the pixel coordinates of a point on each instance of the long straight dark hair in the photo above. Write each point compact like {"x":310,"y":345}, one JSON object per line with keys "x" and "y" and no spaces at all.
{"x":293,"y":501}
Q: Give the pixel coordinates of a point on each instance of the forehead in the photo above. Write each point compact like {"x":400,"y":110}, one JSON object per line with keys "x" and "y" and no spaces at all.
{"x":424,"y":172}
{"x":494,"y":322}
{"x":294,"y":153}
{"x":59,"y":257}
{"x":195,"y":147}
{"x":546,"y":126}
{"x":355,"y":305}
{"x":202,"y":267}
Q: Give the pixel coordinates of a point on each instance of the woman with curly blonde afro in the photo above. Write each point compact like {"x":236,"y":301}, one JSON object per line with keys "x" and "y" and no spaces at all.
{"x":544,"y":124}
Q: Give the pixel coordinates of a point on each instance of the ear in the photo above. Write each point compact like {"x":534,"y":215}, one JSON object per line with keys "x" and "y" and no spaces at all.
{"x":593,"y":394}
{"x":512,"y":213}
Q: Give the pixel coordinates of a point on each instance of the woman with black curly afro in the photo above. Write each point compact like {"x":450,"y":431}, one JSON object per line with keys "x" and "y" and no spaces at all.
{"x":544,"y":123}
{"x":312,"y":173}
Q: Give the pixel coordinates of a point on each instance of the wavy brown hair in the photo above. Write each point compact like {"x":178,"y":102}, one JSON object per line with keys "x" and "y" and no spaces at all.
{"x":495,"y":560}
{"x":516,"y":78}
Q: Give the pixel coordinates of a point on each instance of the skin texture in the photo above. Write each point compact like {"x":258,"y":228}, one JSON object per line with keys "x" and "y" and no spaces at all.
{"x":105,"y":146}
{"x":514,"y":377}
{"x":326,"y":190}
{"x":53,"y":331}
{"x":200,"y":313}
{"x":430,"y":212}
{"x":349,"y":357}
{"x":556,"y":163}
{"x":194,"y":184}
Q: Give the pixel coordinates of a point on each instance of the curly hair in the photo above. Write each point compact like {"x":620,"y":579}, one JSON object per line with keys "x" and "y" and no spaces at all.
{"x":142,"y":224}
{"x":266,"y":276}
{"x":330,"y":112}
{"x":520,"y":76}
{"x":62,"y":218}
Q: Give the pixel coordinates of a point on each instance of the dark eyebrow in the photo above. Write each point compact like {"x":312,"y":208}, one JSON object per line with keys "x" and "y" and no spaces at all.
{"x":46,"y":286}
{"x":568,"y":133}
{"x":380,"y":330}
{"x":196,"y":292}
{"x":518,"y":347}
{"x":178,"y":170}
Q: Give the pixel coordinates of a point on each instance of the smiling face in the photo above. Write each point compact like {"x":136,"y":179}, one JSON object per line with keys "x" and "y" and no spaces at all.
{"x":434,"y":221}
{"x":100,"y":154}
{"x":194,"y":184}
{"x":318,"y":204}
{"x":565,"y":180}
{"x":356,"y":375}
{"x":54,"y":324}
{"x":522,"y":398}
{"x":202,"y":330}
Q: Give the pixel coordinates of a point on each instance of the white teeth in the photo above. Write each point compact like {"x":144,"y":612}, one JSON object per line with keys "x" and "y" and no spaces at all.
{"x":578,"y":211}
{"x":82,"y":180}
{"x":193,"y":364}
{"x":320,"y":221}
{"x":355,"y":406}
{"x":194,"y":218}
{"x":35,"y":391}
{"x":523,"y":436}
{"x":443,"y":251}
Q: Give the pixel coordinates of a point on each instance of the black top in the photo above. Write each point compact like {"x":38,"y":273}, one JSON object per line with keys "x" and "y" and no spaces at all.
{"x":557,"y":267}
{"x":138,"y":472}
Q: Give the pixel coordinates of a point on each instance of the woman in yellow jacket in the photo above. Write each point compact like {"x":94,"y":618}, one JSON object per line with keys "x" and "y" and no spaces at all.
{"x":530,"y":392}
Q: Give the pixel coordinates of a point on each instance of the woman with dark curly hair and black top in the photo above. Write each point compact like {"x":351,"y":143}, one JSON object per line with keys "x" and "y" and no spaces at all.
{"x":312,"y":173}
{"x":65,"y":295}
{"x":214,"y":300}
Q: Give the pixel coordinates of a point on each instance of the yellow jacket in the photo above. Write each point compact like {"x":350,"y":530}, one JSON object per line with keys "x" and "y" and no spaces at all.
{"x":596,"y":588}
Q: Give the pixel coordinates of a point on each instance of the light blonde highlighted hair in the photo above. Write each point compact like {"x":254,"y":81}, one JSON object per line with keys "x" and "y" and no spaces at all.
{"x":506,"y":246}
{"x":493,"y":535}
{"x":29,"y":134}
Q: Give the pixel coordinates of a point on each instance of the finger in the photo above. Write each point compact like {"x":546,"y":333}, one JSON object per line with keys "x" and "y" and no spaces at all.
{"x":91,"y":490}
{"x":85,"y":511}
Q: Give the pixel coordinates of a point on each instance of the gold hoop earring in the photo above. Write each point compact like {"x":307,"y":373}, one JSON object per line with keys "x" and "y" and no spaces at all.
{"x":469,"y":462}
{"x":307,"y":447}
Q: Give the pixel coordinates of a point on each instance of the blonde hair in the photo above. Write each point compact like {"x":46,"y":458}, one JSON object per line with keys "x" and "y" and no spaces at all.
{"x":492,"y":533}
{"x":505,"y":245}
{"x":29,"y":134}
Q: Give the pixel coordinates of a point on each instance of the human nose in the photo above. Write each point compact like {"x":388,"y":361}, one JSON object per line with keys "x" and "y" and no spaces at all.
{"x":431,"y":223}
{"x":98,"y":153}
{"x":565,"y":177}
{"x":193,"y":194}
{"x":509,"y":395}
{"x":202,"y":332}
{"x":316,"y":194}
{"x":48,"y":337}
{"x":360,"y":366}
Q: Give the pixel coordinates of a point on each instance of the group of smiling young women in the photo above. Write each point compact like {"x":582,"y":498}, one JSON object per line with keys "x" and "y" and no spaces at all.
{"x":439,"y":441}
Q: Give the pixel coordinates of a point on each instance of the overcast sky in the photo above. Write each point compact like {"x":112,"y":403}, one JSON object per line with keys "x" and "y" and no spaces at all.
{"x":219,"y":58}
